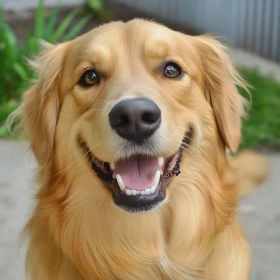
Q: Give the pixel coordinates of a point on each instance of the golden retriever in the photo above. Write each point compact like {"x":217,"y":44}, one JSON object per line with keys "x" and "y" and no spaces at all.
{"x":131,"y":125}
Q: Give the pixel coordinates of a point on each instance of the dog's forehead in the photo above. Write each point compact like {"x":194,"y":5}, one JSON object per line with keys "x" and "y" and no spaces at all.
{"x":137,"y":35}
{"x":118,"y":44}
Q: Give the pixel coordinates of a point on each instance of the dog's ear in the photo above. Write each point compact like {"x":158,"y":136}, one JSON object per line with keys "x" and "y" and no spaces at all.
{"x":39,"y":110}
{"x":220,"y":81}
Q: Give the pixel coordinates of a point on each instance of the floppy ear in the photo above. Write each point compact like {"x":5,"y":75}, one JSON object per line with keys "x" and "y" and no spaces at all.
{"x":220,"y":79}
{"x":39,"y":110}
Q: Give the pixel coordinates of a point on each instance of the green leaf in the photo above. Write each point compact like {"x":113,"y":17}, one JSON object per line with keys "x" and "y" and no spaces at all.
{"x":6,"y":109}
{"x":21,"y":71}
{"x":32,"y":45}
{"x":50,"y":28}
{"x":10,"y":44}
{"x":39,"y":21}
{"x":65,"y":24}
{"x":77,"y":28}
{"x":105,"y":14}
{"x":27,"y":40}
{"x":96,"y":5}
{"x":4,"y":131}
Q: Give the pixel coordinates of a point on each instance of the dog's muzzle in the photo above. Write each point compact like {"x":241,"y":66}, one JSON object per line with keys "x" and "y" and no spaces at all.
{"x":137,"y":182}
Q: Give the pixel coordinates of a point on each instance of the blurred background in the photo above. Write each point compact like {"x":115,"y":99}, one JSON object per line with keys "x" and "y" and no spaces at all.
{"x":251,"y":29}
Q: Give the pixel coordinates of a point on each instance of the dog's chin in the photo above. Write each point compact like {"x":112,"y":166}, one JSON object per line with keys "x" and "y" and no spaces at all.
{"x":137,"y":183}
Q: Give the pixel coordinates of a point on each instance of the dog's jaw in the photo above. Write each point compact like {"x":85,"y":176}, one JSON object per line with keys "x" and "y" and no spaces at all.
{"x":149,"y":189}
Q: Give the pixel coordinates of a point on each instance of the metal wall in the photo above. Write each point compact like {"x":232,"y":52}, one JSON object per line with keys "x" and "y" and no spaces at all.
{"x":253,"y":25}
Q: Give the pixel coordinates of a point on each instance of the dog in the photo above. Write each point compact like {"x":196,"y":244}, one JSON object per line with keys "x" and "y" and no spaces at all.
{"x":133,"y":125}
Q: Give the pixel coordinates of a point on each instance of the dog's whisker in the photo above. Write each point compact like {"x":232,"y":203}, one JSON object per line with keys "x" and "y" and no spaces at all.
{"x":188,"y":146}
{"x":185,"y":146}
{"x":62,"y":172}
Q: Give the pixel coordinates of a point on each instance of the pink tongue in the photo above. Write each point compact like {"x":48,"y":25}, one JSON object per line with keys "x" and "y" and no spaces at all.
{"x":137,"y":173}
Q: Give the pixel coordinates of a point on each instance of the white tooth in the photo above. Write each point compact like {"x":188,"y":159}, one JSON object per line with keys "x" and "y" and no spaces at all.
{"x":161,"y":161}
{"x":138,"y":192}
{"x":134,"y":192}
{"x":153,"y":188}
{"x":143,"y":192}
{"x":112,"y":165}
{"x":128,"y":192}
{"x":147,"y":191}
{"x":156,"y":178}
{"x":120,"y":182}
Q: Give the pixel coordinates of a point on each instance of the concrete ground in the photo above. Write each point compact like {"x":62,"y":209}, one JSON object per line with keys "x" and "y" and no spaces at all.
{"x":259,"y":213}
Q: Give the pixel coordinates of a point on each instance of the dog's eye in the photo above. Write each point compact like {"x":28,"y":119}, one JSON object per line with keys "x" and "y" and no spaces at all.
{"x":89,"y":78}
{"x":172,"y":70}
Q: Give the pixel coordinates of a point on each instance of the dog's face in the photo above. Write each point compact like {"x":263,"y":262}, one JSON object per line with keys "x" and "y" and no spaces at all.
{"x":115,"y":115}
{"x":130,"y":101}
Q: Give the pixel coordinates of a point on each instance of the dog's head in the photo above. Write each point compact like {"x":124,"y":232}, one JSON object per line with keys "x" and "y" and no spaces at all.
{"x":128,"y":103}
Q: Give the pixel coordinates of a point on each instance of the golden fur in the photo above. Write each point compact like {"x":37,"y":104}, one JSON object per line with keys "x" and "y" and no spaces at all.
{"x":76,"y":231}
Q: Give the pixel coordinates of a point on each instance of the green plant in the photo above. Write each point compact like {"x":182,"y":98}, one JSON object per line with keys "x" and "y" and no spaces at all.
{"x":11,"y":66}
{"x":97,"y":7}
{"x":14,"y":71}
{"x":262,"y":128}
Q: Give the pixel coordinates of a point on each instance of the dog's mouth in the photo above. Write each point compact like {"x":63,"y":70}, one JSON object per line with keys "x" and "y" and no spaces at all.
{"x":137,"y":183}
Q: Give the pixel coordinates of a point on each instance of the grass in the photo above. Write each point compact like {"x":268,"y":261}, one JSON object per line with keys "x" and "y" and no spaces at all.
{"x":262,"y":128}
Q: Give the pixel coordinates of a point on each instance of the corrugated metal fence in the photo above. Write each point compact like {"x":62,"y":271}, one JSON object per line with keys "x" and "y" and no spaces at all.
{"x":253,"y":25}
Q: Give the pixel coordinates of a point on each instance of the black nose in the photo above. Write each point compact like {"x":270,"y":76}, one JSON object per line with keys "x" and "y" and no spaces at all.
{"x":135,"y":119}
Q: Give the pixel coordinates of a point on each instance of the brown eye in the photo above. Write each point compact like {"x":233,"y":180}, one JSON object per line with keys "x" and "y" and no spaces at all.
{"x":172,"y":70}
{"x":89,"y":78}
